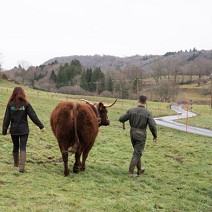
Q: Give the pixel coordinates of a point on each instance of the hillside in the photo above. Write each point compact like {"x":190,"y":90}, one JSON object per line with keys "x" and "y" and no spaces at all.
{"x":128,"y":75}
{"x":106,"y":62}
{"x":111,"y":63}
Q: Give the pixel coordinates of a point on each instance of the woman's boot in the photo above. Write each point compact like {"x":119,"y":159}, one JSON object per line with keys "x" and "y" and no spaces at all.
{"x":16,"y":158}
{"x":22,"y":161}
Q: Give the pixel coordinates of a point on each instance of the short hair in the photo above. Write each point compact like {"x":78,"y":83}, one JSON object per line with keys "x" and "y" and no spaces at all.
{"x":142,"y":99}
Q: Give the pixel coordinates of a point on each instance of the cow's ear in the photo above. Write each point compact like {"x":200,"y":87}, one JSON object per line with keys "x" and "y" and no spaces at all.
{"x":101,"y":105}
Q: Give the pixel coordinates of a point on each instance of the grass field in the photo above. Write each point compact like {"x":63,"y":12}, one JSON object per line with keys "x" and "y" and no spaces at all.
{"x":177,"y":177}
{"x":203,"y":118}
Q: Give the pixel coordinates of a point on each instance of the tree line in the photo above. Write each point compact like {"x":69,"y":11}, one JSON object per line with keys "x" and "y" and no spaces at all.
{"x":157,"y":76}
{"x":92,"y":80}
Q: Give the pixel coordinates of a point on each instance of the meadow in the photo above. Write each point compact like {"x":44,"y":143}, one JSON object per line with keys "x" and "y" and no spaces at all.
{"x":177,"y":177}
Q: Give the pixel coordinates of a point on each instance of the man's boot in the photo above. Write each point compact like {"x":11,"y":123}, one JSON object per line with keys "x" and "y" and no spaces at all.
{"x":132,"y":165}
{"x":16,"y":158}
{"x":140,"y":170}
{"x":22,"y":161}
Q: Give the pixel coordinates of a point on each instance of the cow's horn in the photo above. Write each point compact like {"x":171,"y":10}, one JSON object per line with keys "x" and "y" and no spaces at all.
{"x":84,"y":100}
{"x":111,"y":104}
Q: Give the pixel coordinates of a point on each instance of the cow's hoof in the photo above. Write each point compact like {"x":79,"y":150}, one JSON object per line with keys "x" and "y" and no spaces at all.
{"x":82,"y":169}
{"x":66,"y":173}
{"x":76,"y":171}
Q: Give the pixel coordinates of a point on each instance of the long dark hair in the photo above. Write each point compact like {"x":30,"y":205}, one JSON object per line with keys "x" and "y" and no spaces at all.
{"x":17,"y":96}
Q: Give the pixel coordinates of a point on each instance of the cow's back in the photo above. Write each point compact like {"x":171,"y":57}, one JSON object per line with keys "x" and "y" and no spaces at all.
{"x":62,"y":123}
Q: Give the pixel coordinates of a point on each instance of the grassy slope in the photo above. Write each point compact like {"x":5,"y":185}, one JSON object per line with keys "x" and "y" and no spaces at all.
{"x":177,"y":177}
{"x":203,"y":118}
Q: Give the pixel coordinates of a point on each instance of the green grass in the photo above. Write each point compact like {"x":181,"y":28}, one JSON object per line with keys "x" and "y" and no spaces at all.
{"x":198,"y":94}
{"x":203,"y":118}
{"x":177,"y":178}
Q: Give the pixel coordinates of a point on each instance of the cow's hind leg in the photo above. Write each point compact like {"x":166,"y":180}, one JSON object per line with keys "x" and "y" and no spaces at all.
{"x":77,"y":165}
{"x":85,"y":155}
{"x":65,"y":162}
{"x":64,"y":151}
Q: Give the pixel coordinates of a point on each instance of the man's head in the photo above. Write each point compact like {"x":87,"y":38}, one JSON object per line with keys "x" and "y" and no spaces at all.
{"x":142,"y":99}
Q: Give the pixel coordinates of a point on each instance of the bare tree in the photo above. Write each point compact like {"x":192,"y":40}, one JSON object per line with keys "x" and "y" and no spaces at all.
{"x":171,"y":65}
{"x":157,"y":68}
{"x":203,"y":68}
{"x":190,"y":70}
{"x":135,"y":75}
{"x":24,"y":64}
{"x":166,"y":91}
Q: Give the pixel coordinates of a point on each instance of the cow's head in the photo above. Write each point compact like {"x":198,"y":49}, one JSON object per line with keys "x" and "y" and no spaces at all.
{"x":101,"y":111}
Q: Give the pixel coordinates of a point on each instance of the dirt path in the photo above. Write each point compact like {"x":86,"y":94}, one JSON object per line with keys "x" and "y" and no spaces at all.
{"x":169,"y":121}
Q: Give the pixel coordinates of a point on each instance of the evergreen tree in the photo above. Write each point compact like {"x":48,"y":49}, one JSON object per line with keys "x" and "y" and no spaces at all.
{"x":67,"y":73}
{"x":124,"y":94}
{"x":53,"y":76}
{"x":98,"y":80}
{"x":61,"y":78}
{"x":83,"y":81}
{"x":88,"y":76}
{"x":102,"y":86}
{"x":110,"y":85}
{"x":76,"y":63}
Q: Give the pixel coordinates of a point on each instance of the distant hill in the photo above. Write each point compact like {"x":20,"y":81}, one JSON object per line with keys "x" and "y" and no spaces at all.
{"x":123,"y":71}
{"x":105,"y":62}
{"x":111,"y":63}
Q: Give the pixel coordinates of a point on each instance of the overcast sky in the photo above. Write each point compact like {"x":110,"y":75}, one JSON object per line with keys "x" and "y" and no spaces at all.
{"x":38,"y":30}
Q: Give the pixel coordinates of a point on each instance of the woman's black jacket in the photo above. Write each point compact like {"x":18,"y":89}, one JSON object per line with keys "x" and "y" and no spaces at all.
{"x":17,"y":119}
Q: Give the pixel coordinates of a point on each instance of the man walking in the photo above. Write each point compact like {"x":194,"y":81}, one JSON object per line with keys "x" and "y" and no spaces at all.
{"x":139,"y":117}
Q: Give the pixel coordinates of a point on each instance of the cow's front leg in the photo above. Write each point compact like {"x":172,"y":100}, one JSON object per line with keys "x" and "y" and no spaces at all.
{"x":65,"y":162}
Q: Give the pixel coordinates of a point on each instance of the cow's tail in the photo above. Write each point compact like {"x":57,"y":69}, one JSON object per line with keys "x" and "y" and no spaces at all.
{"x":76,"y":138}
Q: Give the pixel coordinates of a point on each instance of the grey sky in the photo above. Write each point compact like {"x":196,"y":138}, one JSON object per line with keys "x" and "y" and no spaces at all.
{"x":38,"y":30}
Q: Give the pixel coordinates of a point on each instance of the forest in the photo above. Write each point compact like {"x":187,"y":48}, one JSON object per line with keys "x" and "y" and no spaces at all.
{"x":158,"y":76}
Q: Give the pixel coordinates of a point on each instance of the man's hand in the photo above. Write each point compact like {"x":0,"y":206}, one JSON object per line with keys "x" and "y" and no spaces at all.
{"x":154,"y":139}
{"x":43,"y":129}
{"x":123,"y":126}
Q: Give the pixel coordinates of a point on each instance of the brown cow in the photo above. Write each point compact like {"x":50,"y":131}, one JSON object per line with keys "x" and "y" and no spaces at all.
{"x":76,"y":125}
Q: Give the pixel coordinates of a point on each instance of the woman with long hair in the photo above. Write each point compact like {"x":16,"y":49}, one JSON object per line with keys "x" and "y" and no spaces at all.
{"x":17,"y":110}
